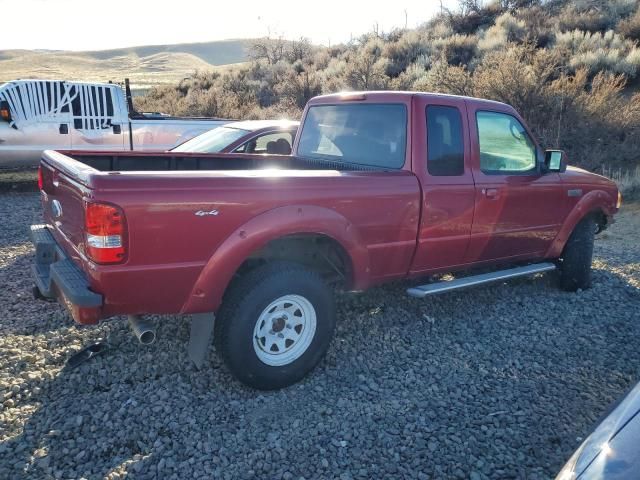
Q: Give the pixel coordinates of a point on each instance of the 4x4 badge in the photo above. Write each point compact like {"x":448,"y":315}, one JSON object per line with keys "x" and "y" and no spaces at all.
{"x":202,"y":213}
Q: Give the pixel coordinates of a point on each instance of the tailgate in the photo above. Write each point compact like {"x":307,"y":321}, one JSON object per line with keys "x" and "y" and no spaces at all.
{"x":63,"y":195}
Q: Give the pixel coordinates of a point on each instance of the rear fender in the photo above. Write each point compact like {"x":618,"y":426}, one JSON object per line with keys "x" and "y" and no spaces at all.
{"x":594,"y":201}
{"x":210,"y":286}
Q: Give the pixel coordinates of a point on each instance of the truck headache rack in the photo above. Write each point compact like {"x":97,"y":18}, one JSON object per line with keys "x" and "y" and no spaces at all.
{"x":87,"y":106}
{"x":473,"y":280}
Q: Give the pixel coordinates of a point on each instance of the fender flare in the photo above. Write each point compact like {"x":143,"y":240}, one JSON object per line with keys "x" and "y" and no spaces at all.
{"x":594,"y":201}
{"x":208,"y":290}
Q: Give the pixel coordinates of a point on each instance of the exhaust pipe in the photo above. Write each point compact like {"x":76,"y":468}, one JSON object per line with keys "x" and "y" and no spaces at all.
{"x":142,"y":329}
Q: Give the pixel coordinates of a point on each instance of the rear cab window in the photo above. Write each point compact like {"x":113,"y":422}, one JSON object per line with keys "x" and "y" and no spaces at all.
{"x":445,"y":144}
{"x":93,"y":106}
{"x":367,"y":134}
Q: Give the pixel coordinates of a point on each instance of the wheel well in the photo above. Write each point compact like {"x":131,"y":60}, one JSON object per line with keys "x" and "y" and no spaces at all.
{"x":600,"y":218}
{"x":316,"y":251}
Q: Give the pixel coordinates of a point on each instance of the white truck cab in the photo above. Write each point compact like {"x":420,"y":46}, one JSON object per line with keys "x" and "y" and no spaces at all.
{"x":37,"y":115}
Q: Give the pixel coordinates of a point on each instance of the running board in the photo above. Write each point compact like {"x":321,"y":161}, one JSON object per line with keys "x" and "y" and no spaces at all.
{"x":447,"y":286}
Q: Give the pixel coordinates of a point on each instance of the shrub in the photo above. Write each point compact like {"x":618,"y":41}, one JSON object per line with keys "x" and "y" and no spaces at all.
{"x":588,"y":21}
{"x":445,"y":78}
{"x":595,"y":122}
{"x":403,"y":52}
{"x":506,"y":29}
{"x":332,"y":77}
{"x":436,"y":28}
{"x":298,"y":87}
{"x":630,"y":27}
{"x":456,"y":49}
{"x":594,"y":15}
{"x":537,"y":25}
{"x":473,"y":16}
{"x":518,"y":76}
{"x":579,"y":41}
{"x":597,"y":52}
{"x":563,"y":64}
{"x":607,"y":60}
{"x":407,"y":79}
{"x":628,"y":181}
{"x":365,"y":69}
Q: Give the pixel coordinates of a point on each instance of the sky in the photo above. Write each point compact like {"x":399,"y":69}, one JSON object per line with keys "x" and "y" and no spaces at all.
{"x":98,"y":25}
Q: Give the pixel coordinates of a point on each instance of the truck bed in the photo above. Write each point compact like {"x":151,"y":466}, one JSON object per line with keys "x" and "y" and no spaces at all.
{"x":182,"y":210}
{"x":169,"y":161}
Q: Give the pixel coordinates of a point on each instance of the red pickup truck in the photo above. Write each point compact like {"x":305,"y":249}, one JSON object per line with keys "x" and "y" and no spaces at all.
{"x":381,"y":186}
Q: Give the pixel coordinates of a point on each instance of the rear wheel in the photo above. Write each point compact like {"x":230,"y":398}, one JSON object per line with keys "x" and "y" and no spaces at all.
{"x":275,"y":325}
{"x":575,"y":262}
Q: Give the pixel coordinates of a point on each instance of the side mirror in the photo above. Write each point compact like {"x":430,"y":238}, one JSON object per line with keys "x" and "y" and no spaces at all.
{"x":555,"y":161}
{"x":5,"y":113}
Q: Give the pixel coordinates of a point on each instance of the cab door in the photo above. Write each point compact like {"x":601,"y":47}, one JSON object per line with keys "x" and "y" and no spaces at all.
{"x":442,"y":162}
{"x":518,"y":210}
{"x":40,"y":121}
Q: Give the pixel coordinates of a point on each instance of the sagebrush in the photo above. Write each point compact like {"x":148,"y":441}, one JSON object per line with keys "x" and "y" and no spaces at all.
{"x":570,"y":67}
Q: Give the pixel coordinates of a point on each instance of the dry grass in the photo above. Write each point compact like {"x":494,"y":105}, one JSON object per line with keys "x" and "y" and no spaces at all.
{"x":628,"y":182}
{"x":19,"y":180}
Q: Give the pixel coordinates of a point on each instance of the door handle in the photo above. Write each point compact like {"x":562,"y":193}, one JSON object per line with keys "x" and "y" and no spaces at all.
{"x":64,"y":129}
{"x":490,"y":192}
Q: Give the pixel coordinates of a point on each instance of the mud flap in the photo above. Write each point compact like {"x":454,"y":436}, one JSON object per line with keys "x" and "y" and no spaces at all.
{"x":200,"y":337}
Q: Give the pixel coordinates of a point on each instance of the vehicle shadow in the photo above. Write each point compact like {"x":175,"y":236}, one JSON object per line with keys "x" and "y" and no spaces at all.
{"x":107,"y":414}
{"x":23,"y":314}
{"x":452,"y":366}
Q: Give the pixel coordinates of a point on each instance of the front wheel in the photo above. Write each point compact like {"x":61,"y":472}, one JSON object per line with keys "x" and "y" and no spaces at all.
{"x":275,"y":325}
{"x":575,"y":266}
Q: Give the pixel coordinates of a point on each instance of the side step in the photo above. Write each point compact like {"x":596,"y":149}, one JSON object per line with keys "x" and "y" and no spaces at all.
{"x":447,"y":286}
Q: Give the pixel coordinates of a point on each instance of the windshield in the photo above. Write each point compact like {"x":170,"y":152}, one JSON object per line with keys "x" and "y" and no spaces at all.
{"x":212,"y":141}
{"x":366,"y":134}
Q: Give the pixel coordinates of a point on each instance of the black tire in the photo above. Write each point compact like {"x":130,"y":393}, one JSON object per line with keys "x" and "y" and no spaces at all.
{"x":575,"y":262}
{"x":244,"y":303}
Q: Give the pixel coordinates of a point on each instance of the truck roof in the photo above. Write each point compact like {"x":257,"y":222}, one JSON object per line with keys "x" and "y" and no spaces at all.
{"x":386,"y":96}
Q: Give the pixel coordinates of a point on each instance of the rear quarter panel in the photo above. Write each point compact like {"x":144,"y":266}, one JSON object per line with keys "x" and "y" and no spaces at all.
{"x":168,"y":265}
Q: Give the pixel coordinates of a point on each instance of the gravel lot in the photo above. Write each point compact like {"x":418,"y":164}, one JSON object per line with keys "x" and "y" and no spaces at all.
{"x":496,"y":382}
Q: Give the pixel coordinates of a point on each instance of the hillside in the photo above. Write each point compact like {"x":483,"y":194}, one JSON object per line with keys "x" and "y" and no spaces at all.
{"x":222,"y":52}
{"x":146,"y":66}
{"x":571,"y":67}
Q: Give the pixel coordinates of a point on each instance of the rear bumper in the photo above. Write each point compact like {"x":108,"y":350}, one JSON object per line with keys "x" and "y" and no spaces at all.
{"x":56,"y":276}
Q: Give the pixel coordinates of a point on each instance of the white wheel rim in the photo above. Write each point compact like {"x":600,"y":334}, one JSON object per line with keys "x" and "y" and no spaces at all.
{"x":284,"y":330}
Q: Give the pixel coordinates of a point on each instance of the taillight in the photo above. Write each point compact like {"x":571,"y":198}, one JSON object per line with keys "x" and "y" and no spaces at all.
{"x":104,"y":226}
{"x":40,"y":181}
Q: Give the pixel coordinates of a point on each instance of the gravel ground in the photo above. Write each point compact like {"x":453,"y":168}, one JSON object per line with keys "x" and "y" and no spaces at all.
{"x":496,"y":382}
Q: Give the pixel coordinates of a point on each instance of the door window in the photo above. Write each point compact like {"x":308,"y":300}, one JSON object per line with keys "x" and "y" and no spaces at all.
{"x":505,"y":146}
{"x":445,"y":148}
{"x":93,"y":107}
